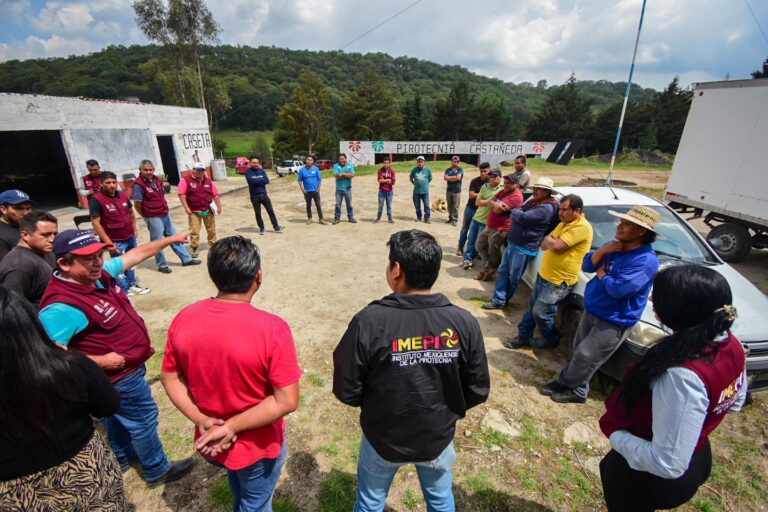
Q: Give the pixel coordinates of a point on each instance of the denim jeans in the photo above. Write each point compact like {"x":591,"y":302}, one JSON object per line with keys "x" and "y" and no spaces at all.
{"x":474,"y":231}
{"x":542,"y":309}
{"x":132,"y":431}
{"x":512,"y":267}
{"x":467,"y":222}
{"x":385,"y":197}
{"x":344,"y":195}
{"x":160,"y":227}
{"x":375,"y":475}
{"x":128,"y":278}
{"x":418,"y":199}
{"x":253,"y":487}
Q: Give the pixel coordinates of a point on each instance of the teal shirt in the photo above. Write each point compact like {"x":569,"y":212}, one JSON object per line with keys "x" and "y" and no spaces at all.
{"x":343,"y":183}
{"x":421,"y":178}
{"x":62,"y":321}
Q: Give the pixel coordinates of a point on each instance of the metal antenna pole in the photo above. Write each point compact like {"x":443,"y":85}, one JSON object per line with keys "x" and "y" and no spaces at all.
{"x":609,"y":181}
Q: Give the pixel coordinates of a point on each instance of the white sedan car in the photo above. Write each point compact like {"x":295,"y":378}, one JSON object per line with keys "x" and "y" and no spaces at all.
{"x":681,"y":244}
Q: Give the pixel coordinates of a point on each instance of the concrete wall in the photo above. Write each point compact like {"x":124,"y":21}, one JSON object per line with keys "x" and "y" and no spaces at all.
{"x":117,"y":134}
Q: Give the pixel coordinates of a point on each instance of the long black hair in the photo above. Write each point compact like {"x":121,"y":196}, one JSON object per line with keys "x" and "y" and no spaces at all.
{"x":35,"y":374}
{"x":693,"y":301}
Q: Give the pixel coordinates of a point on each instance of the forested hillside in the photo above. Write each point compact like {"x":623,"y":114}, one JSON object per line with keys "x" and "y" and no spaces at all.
{"x":245,"y":89}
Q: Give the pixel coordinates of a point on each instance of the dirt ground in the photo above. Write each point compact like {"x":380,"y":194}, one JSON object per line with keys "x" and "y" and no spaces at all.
{"x":317,"y":277}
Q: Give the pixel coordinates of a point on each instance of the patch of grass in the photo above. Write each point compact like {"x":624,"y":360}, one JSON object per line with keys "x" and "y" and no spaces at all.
{"x":527,"y":479}
{"x":329,"y":449}
{"x":656,"y":193}
{"x":540,"y":164}
{"x":531,"y":439}
{"x":411,"y":499}
{"x":337,"y":493}
{"x":240,"y":143}
{"x":354,"y":450}
{"x":315,"y":380}
{"x":703,"y":504}
{"x":494,"y":438}
{"x":582,"y":448}
{"x":570,"y":477}
{"x":479,"y":483}
{"x":738,"y":476}
{"x":219,"y":495}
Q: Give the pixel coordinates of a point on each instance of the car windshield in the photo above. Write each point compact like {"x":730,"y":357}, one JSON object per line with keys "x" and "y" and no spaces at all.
{"x":287,"y":163}
{"x":676,"y":240}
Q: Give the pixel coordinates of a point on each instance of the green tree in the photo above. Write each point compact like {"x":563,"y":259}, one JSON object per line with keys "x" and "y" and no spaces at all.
{"x":414,"y":120}
{"x":367,"y":112}
{"x":183,"y":27}
{"x":673,"y":106}
{"x":492,"y":119}
{"x":454,"y":115}
{"x":761,"y":73}
{"x":260,"y":147}
{"x":304,"y":122}
{"x":565,"y":115}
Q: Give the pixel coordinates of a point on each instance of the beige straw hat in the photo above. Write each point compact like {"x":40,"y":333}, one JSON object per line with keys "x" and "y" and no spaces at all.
{"x":641,"y":215}
{"x":544,"y":182}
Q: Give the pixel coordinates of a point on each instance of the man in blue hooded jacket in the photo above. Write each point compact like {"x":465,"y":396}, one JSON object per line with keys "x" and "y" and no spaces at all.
{"x":530,"y":224}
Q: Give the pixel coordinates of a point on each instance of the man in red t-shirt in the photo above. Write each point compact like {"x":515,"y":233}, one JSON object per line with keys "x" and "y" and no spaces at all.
{"x":490,"y":243}
{"x":386,"y":178}
{"x":232,"y":370}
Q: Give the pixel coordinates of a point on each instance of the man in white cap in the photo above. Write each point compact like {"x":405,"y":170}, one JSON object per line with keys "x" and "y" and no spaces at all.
{"x":531,"y":222}
{"x":614,"y":301}
{"x":196,"y":191}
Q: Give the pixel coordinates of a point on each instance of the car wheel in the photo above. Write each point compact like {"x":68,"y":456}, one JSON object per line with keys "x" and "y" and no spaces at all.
{"x":568,"y":327}
{"x":736,"y":241}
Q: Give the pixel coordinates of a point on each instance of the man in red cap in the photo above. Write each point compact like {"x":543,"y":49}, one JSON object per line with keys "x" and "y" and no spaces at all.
{"x":84,"y":309}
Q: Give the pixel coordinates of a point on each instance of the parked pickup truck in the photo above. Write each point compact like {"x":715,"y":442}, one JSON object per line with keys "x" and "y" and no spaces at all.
{"x":288,"y":167}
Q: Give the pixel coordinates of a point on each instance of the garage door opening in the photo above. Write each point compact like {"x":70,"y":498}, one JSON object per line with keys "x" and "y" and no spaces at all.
{"x":35,"y":162}
{"x":168,"y":157}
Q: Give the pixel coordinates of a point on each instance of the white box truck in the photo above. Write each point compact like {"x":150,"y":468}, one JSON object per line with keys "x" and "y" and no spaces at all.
{"x":720,"y":172}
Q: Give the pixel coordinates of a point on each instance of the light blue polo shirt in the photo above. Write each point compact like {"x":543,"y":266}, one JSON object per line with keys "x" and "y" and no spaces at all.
{"x":62,"y":321}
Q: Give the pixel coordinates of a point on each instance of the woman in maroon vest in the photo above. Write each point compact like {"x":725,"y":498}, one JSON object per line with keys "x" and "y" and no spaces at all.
{"x":675,"y":396}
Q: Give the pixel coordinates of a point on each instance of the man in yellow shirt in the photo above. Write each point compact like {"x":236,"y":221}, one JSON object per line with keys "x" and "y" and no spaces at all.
{"x":564,"y":250}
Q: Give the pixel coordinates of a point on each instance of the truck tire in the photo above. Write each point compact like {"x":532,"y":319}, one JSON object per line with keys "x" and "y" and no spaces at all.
{"x":736,"y":241}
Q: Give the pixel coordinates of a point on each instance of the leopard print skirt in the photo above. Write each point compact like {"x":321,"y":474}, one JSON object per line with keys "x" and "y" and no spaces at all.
{"x":89,"y":481}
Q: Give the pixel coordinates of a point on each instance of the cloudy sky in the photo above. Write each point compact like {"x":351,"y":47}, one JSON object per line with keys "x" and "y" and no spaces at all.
{"x":522,"y":40}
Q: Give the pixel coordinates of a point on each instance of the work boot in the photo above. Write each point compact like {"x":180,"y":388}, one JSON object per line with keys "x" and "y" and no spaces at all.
{"x":309,"y":221}
{"x":178,"y":470}
{"x":336,"y":221}
{"x":517,"y":342}
{"x":322,"y":222}
{"x":353,"y":221}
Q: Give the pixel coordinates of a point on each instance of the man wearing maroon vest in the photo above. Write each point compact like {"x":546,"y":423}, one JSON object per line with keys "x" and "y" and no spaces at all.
{"x":84,"y":309}
{"x":149,"y":201}
{"x":92,"y":180}
{"x":196,"y":192}
{"x":113,"y":220}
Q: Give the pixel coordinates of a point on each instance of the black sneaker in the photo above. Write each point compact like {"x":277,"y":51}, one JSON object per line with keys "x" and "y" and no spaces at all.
{"x":262,"y":231}
{"x":353,"y":221}
{"x":551,"y":388}
{"x":191,"y":263}
{"x":336,"y":221}
{"x":164,"y":270}
{"x":492,"y":305}
{"x":567,"y":396}
{"x":518,"y":342}
{"x":279,"y":229}
{"x":391,"y":221}
{"x":427,"y":221}
{"x":179,"y":469}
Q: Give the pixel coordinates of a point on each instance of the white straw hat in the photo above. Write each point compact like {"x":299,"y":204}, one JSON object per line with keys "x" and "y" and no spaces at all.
{"x":641,"y":215}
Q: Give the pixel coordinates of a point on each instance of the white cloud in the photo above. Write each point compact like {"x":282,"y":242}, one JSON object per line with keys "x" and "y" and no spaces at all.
{"x":55,"y":46}
{"x":62,"y":18}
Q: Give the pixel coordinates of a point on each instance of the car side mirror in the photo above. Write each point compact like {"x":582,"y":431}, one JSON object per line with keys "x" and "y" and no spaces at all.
{"x":715,"y":243}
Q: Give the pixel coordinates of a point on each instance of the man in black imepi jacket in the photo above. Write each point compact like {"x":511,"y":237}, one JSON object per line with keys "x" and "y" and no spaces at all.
{"x":414,"y":363}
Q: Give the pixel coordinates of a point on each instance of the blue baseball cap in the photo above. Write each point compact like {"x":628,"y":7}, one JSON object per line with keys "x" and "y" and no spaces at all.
{"x":79,"y":242}
{"x":14,"y":197}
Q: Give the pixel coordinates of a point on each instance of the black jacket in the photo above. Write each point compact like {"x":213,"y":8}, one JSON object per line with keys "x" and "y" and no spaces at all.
{"x":414,"y":364}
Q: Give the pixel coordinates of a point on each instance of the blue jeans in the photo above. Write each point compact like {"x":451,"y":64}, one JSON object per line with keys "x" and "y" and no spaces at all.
{"x":344,"y":195}
{"x":128,"y":278}
{"x":542,"y":309}
{"x":385,"y":197}
{"x":132,"y":431}
{"x":474,"y":230}
{"x":375,"y":475}
{"x":161,"y":227}
{"x":468,"y":214}
{"x":512,"y":267}
{"x":418,"y":199}
{"x":253,"y":487}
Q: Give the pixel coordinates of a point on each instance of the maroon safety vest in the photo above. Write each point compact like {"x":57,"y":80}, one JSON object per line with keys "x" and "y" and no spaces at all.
{"x":722,"y":376}
{"x":113,"y":324}
{"x":116,"y":218}
{"x":92,"y":184}
{"x":154,"y":203}
{"x":199,"y":194}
